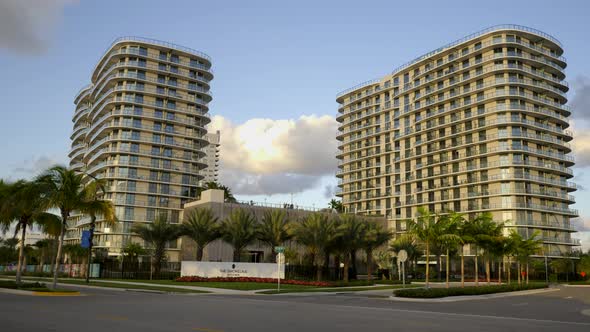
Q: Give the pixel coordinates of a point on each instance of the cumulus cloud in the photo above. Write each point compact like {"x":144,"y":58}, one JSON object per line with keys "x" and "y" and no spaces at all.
{"x":581,"y":144}
{"x":581,"y":102}
{"x":265,"y":156}
{"x":32,"y":167}
{"x":582,"y":223}
{"x":26,"y":25}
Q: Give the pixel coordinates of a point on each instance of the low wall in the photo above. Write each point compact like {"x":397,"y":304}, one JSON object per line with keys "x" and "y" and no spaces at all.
{"x":230,"y":269}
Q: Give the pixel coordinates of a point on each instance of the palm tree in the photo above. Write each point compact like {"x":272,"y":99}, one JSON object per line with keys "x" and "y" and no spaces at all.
{"x":95,"y":206}
{"x":350,"y":234}
{"x":239,"y":230}
{"x":65,"y":192}
{"x":375,"y":237}
{"x":316,"y":232}
{"x":449,"y":238}
{"x":52,"y":228}
{"x":44,"y":247}
{"x":273,"y":230}
{"x":157,"y":235}
{"x":201,"y":226}
{"x":524,"y":249}
{"x":336,"y":205}
{"x":408,"y":243}
{"x":427,"y":228}
{"x":227,"y":194}
{"x":132,"y":251}
{"x":24,"y":203}
{"x":489,"y":233}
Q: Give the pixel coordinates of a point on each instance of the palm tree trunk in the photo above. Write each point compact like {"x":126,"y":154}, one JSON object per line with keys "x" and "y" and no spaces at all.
{"x":487,"y":259}
{"x":353,"y":264}
{"x":527,"y":272}
{"x":427,"y":262}
{"x":462,"y":266}
{"x":518,"y":268}
{"x":500,"y":271}
{"x":369,"y":264}
{"x":509,"y":268}
{"x":59,"y":250}
{"x":21,"y":254}
{"x":199,"y":253}
{"x":476,"y":269}
{"x":236,"y":255}
{"x":447,"y":272}
{"x":346,"y":265}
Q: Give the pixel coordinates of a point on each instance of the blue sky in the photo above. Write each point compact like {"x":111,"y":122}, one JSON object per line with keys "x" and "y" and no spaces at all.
{"x":274,"y":62}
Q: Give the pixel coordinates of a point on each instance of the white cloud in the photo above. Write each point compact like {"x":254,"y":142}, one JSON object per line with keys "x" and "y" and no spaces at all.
{"x":265,"y":156}
{"x":32,"y":167}
{"x":580,"y":144}
{"x":26,"y":26}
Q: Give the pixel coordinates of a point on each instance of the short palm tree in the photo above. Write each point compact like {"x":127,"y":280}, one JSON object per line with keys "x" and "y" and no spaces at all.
{"x":239,"y":231}
{"x":449,"y":238}
{"x":336,"y":205}
{"x":201,"y":226}
{"x":350,"y":234}
{"x":315,"y":232}
{"x":132,"y":251}
{"x":157,"y":235}
{"x":228,"y":196}
{"x":426,"y":227}
{"x":24,"y":203}
{"x":375,"y":237}
{"x":489,"y":233}
{"x":524,"y":249}
{"x":66,"y":192}
{"x":94,"y":206}
{"x":273,"y":230}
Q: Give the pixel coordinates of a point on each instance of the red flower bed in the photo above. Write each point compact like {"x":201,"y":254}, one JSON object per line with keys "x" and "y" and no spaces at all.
{"x":250,"y":279}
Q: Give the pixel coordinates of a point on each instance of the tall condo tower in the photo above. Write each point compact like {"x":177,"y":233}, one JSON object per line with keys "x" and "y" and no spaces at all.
{"x":140,"y":125}
{"x":477,"y":125}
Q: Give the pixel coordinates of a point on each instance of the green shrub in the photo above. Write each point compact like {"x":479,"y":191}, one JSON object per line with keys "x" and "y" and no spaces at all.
{"x":25,"y":285}
{"x":392,"y":282}
{"x":458,"y":291}
{"x":351,"y":283}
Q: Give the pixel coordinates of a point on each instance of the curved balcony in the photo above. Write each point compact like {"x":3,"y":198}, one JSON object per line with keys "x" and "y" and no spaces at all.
{"x":471,"y":49}
{"x":156,"y":57}
{"x":143,"y":78}
{"x":145,"y":178}
{"x":543,"y":225}
{"x":155,"y":42}
{"x":203,"y":115}
{"x":174,"y":155}
{"x":144,"y":165}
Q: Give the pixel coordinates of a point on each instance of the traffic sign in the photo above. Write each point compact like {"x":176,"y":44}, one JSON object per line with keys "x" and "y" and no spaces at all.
{"x":402,"y":255}
{"x":85,"y":242}
{"x":279,"y":250}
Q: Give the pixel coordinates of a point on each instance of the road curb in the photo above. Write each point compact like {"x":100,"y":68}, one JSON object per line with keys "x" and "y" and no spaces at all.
{"x":474,"y":297}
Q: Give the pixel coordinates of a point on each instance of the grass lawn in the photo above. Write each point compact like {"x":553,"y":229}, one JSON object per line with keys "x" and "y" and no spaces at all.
{"x":579,"y":282}
{"x":463,"y":291}
{"x":333,"y":290}
{"x":125,"y":286}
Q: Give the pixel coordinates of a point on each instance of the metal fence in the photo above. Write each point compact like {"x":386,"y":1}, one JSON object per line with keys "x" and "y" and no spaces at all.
{"x":136,"y":270}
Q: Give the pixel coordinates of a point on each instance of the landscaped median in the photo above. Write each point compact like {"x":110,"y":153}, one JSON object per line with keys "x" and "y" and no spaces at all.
{"x":34,"y":288}
{"x":429,"y":293}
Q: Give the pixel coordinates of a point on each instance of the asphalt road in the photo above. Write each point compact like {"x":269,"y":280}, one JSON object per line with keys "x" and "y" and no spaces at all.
{"x":106,"y":310}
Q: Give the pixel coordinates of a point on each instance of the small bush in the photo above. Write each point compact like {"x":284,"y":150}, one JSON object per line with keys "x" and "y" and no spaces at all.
{"x":458,"y":291}
{"x":392,"y":282}
{"x":25,"y":285}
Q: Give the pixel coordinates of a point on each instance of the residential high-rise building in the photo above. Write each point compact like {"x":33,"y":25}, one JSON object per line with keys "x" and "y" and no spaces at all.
{"x":477,"y":125}
{"x":141,"y":126}
{"x":211,"y":173}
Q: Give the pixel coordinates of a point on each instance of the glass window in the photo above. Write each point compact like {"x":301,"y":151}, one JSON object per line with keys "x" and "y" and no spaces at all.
{"x":128,"y":213}
{"x":130,"y":199}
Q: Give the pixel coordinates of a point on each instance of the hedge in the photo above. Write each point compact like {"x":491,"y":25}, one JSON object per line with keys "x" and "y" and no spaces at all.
{"x":274,"y":280}
{"x":458,"y":291}
{"x":25,"y":285}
